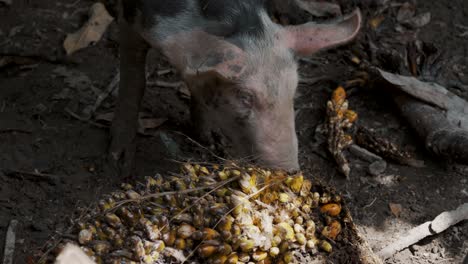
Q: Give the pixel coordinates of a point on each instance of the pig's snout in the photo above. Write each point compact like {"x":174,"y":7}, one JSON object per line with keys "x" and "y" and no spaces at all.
{"x":280,"y":153}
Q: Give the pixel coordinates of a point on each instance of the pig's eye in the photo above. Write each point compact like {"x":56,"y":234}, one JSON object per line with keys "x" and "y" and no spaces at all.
{"x":245,"y":98}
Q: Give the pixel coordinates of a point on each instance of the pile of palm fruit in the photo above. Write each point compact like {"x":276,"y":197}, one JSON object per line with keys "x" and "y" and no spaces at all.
{"x":214,"y":214}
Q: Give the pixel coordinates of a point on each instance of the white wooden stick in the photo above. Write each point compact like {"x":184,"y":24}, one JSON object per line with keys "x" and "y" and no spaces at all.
{"x":436,"y":226}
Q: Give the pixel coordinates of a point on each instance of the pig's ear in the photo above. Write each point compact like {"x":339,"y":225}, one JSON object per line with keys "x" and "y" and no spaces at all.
{"x":309,"y":38}
{"x":199,"y":54}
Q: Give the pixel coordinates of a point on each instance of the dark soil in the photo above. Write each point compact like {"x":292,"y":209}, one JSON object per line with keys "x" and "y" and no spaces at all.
{"x":38,"y":134}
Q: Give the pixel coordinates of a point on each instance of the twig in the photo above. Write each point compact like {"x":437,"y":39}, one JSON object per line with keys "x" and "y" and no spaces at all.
{"x":14,"y":130}
{"x":201,"y":146}
{"x":436,"y":226}
{"x":109,"y":90}
{"x":369,"y":205}
{"x":164,"y":72}
{"x":10,"y":241}
{"x":33,"y":175}
{"x":165,"y":84}
{"x":364,"y":153}
{"x":71,"y":113}
{"x":36,"y":57}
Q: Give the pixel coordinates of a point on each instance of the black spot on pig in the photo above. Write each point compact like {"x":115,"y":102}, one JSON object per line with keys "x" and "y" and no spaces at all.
{"x":236,"y":17}
{"x":151,"y":8}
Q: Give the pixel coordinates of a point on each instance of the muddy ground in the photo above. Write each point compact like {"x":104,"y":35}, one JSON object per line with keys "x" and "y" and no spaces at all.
{"x":38,"y":134}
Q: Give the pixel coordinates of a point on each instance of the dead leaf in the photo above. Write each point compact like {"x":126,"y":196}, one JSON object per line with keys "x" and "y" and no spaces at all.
{"x":91,"y":32}
{"x":105,"y":118}
{"x":395,"y":209}
{"x":184,"y":92}
{"x":319,"y":9}
{"x":149,"y":123}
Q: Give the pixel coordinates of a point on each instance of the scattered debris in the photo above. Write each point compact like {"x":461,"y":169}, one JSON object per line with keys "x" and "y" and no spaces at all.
{"x":464,"y":30}
{"x":170,"y":144}
{"x":364,"y":154}
{"x":35,"y":175}
{"x":418,"y":21}
{"x":387,"y":180}
{"x":438,"y":116}
{"x":377,"y":168}
{"x":6,"y":61}
{"x":113,"y":85}
{"x":164,"y":72}
{"x":407,"y":16}
{"x":91,"y":32}
{"x":79,"y":91}
{"x":14,"y":130}
{"x":455,"y":107}
{"x":146,"y":122}
{"x":406,"y":12}
{"x":436,"y":226}
{"x":396,"y":209}
{"x":184,"y":92}
{"x":339,"y":119}
{"x":86,"y":120}
{"x":367,"y":139}
{"x":165,"y":84}
{"x":375,"y":22}
{"x":9,"y":252}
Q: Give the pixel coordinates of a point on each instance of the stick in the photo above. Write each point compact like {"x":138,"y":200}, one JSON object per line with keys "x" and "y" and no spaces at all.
{"x":14,"y":130}
{"x":436,"y":226}
{"x":164,"y":72}
{"x":33,"y":175}
{"x":364,"y":154}
{"x":10,"y":241}
{"x":72,"y":114}
{"x":165,"y":84}
{"x":109,"y":90}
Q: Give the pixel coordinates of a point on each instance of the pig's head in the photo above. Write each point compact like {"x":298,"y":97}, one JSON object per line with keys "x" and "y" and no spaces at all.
{"x":243,"y":88}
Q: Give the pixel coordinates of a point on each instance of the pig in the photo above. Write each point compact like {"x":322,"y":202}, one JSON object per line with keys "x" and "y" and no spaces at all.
{"x":240,"y":67}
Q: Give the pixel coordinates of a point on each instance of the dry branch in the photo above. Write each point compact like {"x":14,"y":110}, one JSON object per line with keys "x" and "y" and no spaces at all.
{"x":436,"y":226}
